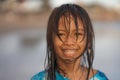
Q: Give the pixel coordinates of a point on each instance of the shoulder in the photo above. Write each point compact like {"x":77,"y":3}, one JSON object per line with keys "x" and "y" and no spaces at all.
{"x":99,"y":76}
{"x":39,"y":76}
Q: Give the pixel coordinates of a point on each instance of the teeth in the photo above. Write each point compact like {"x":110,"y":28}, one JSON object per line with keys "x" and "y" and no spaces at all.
{"x":69,"y":52}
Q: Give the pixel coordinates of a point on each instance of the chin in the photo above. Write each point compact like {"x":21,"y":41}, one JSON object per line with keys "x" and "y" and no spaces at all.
{"x":70,"y":60}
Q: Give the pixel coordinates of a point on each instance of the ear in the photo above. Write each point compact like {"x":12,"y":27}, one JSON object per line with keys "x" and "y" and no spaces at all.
{"x":89,"y":46}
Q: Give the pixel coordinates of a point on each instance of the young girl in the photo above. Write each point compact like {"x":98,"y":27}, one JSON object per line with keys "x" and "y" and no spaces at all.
{"x":70,"y":46}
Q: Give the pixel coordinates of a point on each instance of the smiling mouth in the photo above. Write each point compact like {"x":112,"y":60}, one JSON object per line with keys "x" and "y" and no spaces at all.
{"x":69,"y":52}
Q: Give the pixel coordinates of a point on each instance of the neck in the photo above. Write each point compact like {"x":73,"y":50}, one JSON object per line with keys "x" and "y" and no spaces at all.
{"x":71,"y":69}
{"x":69,"y":66}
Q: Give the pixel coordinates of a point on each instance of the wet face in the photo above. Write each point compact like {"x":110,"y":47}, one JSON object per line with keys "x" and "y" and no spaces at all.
{"x":72,"y":44}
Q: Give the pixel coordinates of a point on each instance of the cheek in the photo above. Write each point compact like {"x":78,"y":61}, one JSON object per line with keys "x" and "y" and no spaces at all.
{"x":57,"y":43}
{"x":82,"y":45}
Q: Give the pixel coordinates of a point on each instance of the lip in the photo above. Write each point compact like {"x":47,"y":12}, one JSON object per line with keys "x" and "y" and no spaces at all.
{"x":69,"y":50}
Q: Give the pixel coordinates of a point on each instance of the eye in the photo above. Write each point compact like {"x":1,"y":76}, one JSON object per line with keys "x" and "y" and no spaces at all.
{"x":78,"y":34}
{"x":61,"y":34}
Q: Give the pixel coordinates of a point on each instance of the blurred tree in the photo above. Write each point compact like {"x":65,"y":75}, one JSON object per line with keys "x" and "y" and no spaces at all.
{"x":46,"y":5}
{"x":21,"y":1}
{"x":1,"y":5}
{"x":2,"y":0}
{"x":7,"y":5}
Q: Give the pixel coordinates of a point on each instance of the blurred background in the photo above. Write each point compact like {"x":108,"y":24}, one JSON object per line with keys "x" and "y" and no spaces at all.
{"x":23,"y":36}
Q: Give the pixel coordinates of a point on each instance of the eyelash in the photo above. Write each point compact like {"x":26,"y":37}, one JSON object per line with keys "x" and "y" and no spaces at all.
{"x":77,"y":34}
{"x":61,"y":34}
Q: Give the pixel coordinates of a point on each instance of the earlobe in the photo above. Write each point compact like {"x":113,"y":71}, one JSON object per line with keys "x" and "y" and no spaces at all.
{"x":89,"y":47}
{"x":89,"y":50}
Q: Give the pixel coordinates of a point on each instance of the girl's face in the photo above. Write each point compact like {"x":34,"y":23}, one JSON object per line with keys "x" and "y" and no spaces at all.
{"x":69,"y":47}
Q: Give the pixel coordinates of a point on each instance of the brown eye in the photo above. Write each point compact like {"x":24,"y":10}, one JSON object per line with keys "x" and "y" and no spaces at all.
{"x":78,"y":34}
{"x":61,"y":34}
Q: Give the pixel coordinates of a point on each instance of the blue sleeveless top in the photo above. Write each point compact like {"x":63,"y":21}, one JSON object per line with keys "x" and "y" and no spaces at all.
{"x":41,"y":76}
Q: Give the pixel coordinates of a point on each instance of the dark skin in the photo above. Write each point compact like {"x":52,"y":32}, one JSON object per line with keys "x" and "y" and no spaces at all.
{"x":69,"y":50}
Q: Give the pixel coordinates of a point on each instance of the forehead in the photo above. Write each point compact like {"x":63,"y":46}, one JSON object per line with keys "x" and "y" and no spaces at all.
{"x":68,"y":22}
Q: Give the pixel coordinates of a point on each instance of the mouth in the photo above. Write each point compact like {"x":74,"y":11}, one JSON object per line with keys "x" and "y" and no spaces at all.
{"x":69,"y":52}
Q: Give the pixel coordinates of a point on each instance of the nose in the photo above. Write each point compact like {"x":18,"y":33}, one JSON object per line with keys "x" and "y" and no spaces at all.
{"x":70,"y":40}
